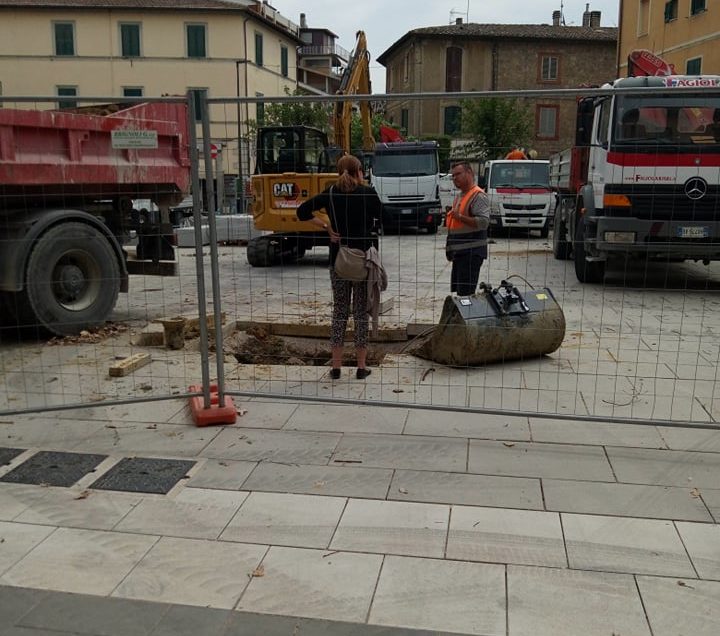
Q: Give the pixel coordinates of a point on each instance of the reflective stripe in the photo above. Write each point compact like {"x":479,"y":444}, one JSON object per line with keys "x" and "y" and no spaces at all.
{"x":450,"y":221}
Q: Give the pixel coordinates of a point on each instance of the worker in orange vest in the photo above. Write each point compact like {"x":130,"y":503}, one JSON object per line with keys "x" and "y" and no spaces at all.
{"x":516,"y":153}
{"x":467,"y":225}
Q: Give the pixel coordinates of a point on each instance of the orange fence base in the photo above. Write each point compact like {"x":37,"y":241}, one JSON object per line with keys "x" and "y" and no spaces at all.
{"x":217,"y":413}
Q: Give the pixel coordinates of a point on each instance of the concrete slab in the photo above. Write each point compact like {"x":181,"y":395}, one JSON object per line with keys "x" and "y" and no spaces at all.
{"x":222,"y":474}
{"x":210,"y":573}
{"x":411,"y":452}
{"x":84,"y":561}
{"x":681,"y":607}
{"x":712,"y":501}
{"x":303,"y":521}
{"x":315,"y":417}
{"x":343,"y":481}
{"x":548,"y":602}
{"x":470,"y":490}
{"x":703,"y":545}
{"x":16,"y":602}
{"x":254,"y":414}
{"x":393,"y":527}
{"x":616,"y":544}
{"x":17,"y":540}
{"x":524,"y":537}
{"x":13,"y":500}
{"x":691,"y":439}
{"x":627,"y":500}
{"x":467,"y":598}
{"x":595,"y":433}
{"x":558,"y":461}
{"x":314,"y":584}
{"x":49,"y":432}
{"x":475,"y":425}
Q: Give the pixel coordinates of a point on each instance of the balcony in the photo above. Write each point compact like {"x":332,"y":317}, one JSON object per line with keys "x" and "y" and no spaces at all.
{"x":324,"y":49}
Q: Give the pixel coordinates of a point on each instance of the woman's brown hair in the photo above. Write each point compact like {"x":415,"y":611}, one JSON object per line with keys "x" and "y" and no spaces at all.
{"x":349,"y":169}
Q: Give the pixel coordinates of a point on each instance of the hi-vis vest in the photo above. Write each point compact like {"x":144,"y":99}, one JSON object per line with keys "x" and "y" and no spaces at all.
{"x":462,"y":236}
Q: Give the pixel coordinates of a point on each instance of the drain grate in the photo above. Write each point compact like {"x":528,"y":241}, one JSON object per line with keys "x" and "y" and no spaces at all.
{"x":138,"y":474}
{"x":8,"y":454}
{"x":53,"y":468}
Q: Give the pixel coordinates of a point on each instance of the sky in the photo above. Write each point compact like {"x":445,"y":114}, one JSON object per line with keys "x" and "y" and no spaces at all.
{"x":386,"y":21}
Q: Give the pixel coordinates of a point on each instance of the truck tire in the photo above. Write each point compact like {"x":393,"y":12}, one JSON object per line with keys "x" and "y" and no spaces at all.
{"x":586,"y":271}
{"x":72,"y":279}
{"x":432,"y":228}
{"x":545,"y":230}
{"x":561,"y":247}
{"x":260,"y":252}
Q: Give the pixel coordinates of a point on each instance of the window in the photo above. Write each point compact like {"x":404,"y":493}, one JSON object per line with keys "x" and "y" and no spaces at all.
{"x":132,"y":91}
{"x":64,"y":38}
{"x":404,"y":120}
{"x":130,"y":40}
{"x":259,"y":49}
{"x":643,"y":17}
{"x":549,"y":68}
{"x":547,"y":122}
{"x":453,"y":69}
{"x":452,"y":120}
{"x":67,"y":91}
{"x":671,"y":10}
{"x":284,"y":61}
{"x":199,"y":96}
{"x":196,"y":45}
{"x":406,"y":67}
{"x":259,"y":110}
{"x":693,"y":66}
{"x":697,"y":6}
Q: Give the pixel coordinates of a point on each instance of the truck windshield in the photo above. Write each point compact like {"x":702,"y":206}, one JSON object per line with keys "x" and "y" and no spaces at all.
{"x":415,"y":164}
{"x":687,"y":120}
{"x":514,"y":174}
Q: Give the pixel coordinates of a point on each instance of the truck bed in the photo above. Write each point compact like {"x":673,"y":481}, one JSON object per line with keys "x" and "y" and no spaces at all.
{"x":569,"y":169}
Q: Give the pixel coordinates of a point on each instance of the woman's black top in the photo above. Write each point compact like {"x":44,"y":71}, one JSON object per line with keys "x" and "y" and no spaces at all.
{"x":355,"y":215}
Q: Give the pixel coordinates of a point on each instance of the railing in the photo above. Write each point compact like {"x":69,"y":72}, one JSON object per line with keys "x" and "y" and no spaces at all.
{"x":332,"y":49}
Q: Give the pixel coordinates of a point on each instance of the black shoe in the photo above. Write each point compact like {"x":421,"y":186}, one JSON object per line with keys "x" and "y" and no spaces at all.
{"x":334,"y":374}
{"x":361,"y":374}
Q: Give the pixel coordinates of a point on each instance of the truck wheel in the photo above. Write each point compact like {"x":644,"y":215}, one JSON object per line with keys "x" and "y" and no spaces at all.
{"x":586,"y":271}
{"x":545,"y":230}
{"x":72,"y":279}
{"x":260,"y":252}
{"x":432,"y":228}
{"x":561,"y":247}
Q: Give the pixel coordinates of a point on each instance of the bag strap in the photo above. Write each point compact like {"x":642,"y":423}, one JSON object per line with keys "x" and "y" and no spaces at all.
{"x":333,"y":220}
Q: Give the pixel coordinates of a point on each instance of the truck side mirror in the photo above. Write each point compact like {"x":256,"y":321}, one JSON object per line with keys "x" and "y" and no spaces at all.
{"x":482,"y":182}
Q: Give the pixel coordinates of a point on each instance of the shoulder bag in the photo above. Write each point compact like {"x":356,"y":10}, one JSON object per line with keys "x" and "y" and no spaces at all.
{"x":350,"y":262}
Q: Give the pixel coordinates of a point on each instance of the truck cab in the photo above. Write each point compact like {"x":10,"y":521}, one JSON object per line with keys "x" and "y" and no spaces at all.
{"x":520,"y":195}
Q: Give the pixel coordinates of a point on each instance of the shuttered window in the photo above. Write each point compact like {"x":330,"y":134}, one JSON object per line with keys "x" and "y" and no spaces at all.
{"x":453,"y":69}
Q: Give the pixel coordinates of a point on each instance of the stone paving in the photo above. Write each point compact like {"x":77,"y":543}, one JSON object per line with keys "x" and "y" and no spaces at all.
{"x":340,"y":519}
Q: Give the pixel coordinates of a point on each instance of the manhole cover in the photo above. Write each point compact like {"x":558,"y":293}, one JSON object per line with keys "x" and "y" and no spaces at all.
{"x":139,"y":474}
{"x":8,"y":454}
{"x":53,"y":468}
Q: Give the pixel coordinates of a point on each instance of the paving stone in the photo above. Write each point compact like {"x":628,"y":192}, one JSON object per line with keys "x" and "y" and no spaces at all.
{"x":475,"y":425}
{"x":691,"y":439}
{"x":15,"y":602}
{"x":365,"y":419}
{"x":665,"y":468}
{"x":595,"y":433}
{"x":293,"y":447}
{"x":627,"y":500}
{"x":617,"y":544}
{"x":53,"y":468}
{"x":471,"y":490}
{"x":703,"y":545}
{"x":468,"y":598}
{"x":223,"y":474}
{"x":186,"y":620}
{"x":393,"y":527}
{"x":97,"y":616}
{"x":406,"y":451}
{"x":14,"y":499}
{"x":142,"y":474}
{"x":712,"y":501}
{"x":524,"y":537}
{"x":8,"y":454}
{"x":549,"y":602}
{"x":50,"y":432}
{"x":692,"y":608}
{"x":314,"y":584}
{"x":304,"y":521}
{"x":17,"y":540}
{"x":343,"y":481}
{"x":256,"y":414}
{"x":558,"y":461}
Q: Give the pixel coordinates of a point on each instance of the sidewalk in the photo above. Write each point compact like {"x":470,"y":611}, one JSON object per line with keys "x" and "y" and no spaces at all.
{"x":379,"y":520}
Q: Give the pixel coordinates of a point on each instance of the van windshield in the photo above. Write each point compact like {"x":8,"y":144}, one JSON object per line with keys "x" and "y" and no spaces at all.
{"x":515,"y":174}
{"x":416,"y":164}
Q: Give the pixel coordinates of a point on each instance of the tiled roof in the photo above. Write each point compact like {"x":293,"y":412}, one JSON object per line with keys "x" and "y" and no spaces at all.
{"x":506,"y":31}
{"x":204,"y":5}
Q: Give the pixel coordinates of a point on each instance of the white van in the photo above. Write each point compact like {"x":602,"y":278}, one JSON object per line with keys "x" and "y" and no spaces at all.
{"x":520,"y":195}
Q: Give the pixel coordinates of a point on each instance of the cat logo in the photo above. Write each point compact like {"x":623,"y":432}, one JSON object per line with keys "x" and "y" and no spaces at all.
{"x":287,"y":190}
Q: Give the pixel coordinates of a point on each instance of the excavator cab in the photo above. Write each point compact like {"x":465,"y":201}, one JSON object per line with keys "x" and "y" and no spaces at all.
{"x":299,"y":149}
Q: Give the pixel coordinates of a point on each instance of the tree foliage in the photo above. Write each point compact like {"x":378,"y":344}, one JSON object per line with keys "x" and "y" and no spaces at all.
{"x":356,"y":135}
{"x":316,"y":114}
{"x":494,"y":126}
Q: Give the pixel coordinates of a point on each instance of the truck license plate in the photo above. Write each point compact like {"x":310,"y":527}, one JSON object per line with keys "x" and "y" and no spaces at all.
{"x":405,"y":211}
{"x":693,"y":232}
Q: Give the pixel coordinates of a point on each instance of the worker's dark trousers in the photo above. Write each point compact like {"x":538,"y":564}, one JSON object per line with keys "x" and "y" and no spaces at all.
{"x":465,"y":272}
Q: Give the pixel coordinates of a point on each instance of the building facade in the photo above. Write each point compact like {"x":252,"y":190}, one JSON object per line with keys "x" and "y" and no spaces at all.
{"x":685,"y":33}
{"x":135,"y":48}
{"x":497,"y":57}
{"x":320,"y":60}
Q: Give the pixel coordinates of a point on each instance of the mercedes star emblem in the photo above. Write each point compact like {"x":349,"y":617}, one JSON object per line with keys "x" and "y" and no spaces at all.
{"x":696,"y":188}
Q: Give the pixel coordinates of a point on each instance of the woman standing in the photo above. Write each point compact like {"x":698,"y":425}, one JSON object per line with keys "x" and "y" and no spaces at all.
{"x":355,"y":211}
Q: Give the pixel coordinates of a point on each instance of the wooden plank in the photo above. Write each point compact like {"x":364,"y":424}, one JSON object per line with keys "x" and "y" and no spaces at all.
{"x":127,"y":365}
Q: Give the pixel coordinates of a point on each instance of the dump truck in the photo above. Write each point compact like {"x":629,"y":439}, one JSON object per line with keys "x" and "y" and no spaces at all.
{"x":69,"y":235}
{"x":642,"y":180}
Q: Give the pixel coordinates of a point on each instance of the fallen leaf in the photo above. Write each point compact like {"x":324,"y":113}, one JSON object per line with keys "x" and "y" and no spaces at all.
{"x":83,"y":495}
{"x":258,"y":572}
{"x":398,"y":391}
{"x":509,"y":444}
{"x":695,"y":493}
{"x":403,"y":491}
{"x":683,"y":584}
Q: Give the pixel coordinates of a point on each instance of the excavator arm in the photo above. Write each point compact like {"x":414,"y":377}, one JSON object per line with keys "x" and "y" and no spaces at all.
{"x":355,"y":81}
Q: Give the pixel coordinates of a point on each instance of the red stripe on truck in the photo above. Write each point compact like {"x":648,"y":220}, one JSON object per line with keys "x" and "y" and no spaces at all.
{"x":663,"y":159}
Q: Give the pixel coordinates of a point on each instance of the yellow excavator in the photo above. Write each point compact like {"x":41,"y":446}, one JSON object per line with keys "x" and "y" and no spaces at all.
{"x":296,"y":162}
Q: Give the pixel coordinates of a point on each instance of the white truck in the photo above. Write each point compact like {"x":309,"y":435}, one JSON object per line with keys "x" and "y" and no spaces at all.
{"x":520,"y":195}
{"x":405,"y":176}
{"x":642,"y":180}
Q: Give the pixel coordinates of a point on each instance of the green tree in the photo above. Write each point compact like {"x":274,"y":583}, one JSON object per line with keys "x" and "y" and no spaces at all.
{"x":316,"y":114}
{"x":356,"y":135}
{"x":495,"y":125}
